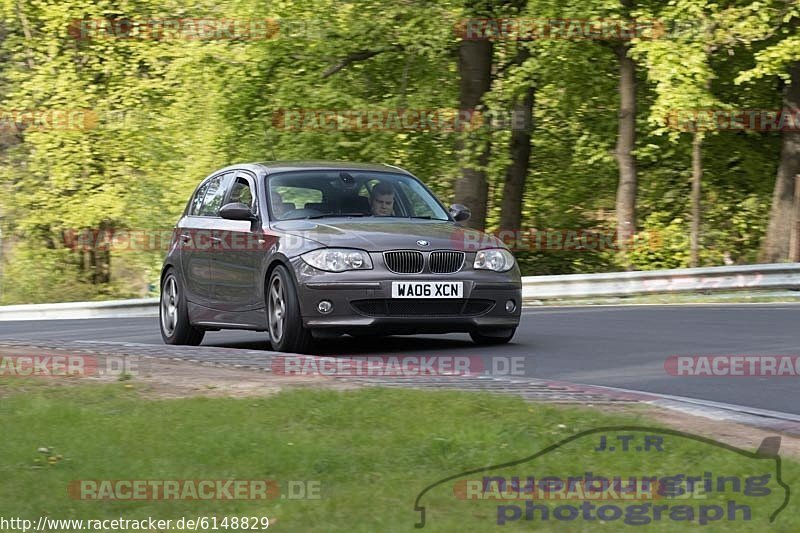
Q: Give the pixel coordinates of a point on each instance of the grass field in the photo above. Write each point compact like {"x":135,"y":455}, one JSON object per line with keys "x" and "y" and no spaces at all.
{"x":369,"y":453}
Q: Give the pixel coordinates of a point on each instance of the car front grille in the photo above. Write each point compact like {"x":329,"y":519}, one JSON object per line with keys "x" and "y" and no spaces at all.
{"x":422,"y":307}
{"x":404,"y":262}
{"x":413,"y":262}
{"x":445,"y":262}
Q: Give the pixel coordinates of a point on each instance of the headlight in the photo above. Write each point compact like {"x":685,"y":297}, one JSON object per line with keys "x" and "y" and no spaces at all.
{"x":496,"y":259}
{"x":338,"y":259}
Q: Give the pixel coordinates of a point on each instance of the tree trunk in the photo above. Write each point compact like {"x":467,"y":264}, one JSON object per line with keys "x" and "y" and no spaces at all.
{"x":100,"y":254}
{"x":697,"y":180}
{"x":776,"y":243}
{"x":93,"y":266}
{"x":475,"y":69}
{"x":626,"y":143}
{"x":520,"y":148}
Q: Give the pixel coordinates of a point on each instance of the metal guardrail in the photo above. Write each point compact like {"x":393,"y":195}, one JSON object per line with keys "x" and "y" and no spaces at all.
{"x":534,"y":288}
{"x":680,"y":280}
{"x":81,"y":310}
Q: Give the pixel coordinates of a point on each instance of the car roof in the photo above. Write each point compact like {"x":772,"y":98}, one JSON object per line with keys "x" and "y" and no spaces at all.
{"x":274,"y":167}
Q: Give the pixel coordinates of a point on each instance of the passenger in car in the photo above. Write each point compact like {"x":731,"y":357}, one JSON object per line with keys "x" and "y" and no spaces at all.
{"x":279,"y":207}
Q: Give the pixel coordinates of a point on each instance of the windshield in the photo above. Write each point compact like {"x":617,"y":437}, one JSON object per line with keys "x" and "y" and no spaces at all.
{"x":338,"y":193}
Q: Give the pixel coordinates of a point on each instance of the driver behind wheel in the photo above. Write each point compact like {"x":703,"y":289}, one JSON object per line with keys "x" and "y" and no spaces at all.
{"x":382,"y":199}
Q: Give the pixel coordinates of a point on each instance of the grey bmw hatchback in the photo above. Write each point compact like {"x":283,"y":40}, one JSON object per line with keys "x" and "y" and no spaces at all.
{"x":312,"y":249}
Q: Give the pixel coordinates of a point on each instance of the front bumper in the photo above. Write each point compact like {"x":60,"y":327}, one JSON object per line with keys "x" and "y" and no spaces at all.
{"x":362,"y":302}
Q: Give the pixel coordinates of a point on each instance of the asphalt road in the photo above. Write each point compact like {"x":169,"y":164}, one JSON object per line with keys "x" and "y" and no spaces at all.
{"x":620,"y":346}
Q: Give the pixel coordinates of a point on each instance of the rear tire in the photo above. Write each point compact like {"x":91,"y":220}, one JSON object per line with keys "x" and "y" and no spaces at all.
{"x":284,"y":321}
{"x":486,"y":338}
{"x":173,"y":314}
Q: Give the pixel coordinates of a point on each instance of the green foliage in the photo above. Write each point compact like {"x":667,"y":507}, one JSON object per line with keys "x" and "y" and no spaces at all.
{"x":165,"y":113}
{"x":735,"y":227}
{"x":666,"y":244}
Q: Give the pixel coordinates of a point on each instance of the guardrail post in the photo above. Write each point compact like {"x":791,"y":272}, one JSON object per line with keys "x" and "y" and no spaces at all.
{"x":794,"y":243}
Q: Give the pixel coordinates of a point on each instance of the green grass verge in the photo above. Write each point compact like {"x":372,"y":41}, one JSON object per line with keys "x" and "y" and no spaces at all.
{"x":372,"y":451}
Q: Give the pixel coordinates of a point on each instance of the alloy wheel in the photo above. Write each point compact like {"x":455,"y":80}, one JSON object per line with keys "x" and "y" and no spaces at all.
{"x":277,"y":309}
{"x":169,"y":306}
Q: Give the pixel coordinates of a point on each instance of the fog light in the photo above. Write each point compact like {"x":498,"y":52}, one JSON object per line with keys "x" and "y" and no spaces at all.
{"x":325,"y":307}
{"x":511,"y":306}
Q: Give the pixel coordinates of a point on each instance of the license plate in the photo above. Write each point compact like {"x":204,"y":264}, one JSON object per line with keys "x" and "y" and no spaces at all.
{"x":427,"y":289}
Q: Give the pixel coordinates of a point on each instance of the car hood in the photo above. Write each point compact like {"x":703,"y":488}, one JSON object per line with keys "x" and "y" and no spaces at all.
{"x":378,"y":235}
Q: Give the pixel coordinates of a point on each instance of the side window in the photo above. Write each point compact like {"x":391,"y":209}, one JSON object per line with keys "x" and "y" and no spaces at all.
{"x":216,"y":192}
{"x":197,"y":201}
{"x":241,"y":192}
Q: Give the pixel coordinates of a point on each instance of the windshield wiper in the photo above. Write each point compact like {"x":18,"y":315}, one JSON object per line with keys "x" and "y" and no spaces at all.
{"x":311,"y":217}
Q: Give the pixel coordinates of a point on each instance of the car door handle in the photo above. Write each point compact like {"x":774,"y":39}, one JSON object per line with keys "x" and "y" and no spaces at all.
{"x":216,"y":240}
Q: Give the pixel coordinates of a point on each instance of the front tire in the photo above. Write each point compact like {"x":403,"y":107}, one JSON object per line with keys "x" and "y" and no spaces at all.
{"x":492,"y":337}
{"x":285,"y":323}
{"x":173,"y":314}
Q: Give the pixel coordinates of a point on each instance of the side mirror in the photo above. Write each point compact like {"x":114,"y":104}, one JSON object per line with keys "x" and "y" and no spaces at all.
{"x":236,"y":211}
{"x":460,"y":212}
